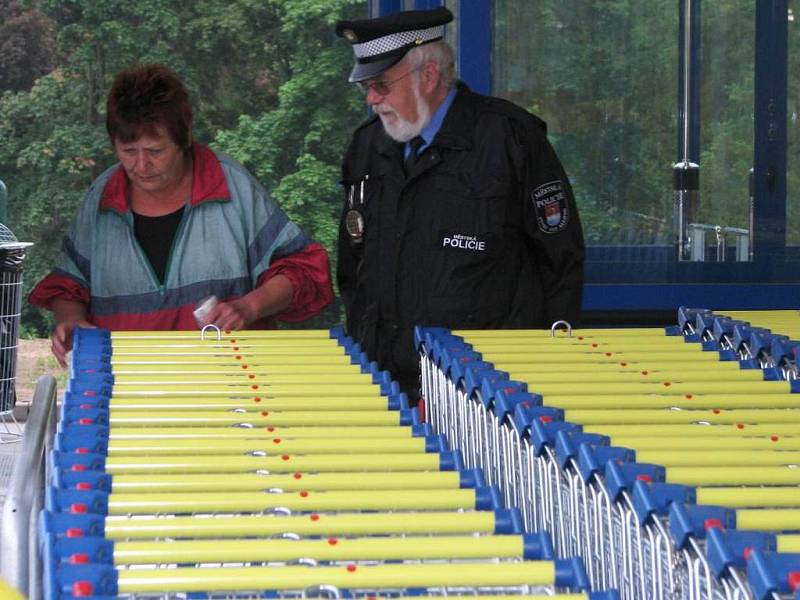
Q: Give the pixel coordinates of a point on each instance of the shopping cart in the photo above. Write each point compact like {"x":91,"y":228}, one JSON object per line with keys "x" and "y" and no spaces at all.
{"x":175,"y":472}
{"x":657,"y":399}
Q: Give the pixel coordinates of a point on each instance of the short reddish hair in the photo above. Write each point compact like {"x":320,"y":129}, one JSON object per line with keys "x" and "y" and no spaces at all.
{"x":144,"y":98}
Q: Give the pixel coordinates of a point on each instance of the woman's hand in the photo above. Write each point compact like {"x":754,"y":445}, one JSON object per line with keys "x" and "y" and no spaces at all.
{"x":270,"y":298}
{"x":69,"y":314}
{"x":231,"y":316}
{"x":61,"y":342}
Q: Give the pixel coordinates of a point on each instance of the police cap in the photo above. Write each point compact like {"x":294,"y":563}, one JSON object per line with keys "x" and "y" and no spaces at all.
{"x":381,"y":43}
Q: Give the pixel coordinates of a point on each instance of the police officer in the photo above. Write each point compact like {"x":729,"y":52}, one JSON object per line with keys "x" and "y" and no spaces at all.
{"x":457,"y":210}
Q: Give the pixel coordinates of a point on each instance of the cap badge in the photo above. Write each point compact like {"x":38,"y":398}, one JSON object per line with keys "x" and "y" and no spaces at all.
{"x":349,"y":35}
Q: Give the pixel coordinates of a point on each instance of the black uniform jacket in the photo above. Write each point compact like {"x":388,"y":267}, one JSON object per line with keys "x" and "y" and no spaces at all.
{"x":482,"y":233}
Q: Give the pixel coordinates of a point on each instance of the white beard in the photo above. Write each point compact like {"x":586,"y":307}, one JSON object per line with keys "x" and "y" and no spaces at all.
{"x":399,"y":129}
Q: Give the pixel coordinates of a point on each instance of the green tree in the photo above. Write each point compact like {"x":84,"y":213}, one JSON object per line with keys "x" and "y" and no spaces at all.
{"x":26,"y":45}
{"x":50,"y":156}
{"x":296,"y":148}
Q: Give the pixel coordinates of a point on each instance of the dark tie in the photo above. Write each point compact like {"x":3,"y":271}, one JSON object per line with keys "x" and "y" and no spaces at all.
{"x":411,"y":160}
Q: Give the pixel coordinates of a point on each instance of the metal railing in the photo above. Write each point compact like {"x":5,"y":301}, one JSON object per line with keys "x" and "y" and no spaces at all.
{"x":702,"y":236}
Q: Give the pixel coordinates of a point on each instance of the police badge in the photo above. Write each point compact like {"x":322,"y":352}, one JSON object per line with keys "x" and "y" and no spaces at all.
{"x":354,"y":224}
{"x":354,"y":218}
{"x":550,"y":202}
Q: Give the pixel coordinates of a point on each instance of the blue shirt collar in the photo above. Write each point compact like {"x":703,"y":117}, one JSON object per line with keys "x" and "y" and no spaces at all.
{"x":431,"y":129}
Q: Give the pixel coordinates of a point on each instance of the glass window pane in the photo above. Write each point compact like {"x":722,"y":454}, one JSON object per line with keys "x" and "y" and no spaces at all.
{"x":726,"y":121}
{"x":604,"y":77}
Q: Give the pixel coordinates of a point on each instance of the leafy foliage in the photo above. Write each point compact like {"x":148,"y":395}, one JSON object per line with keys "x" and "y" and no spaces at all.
{"x":26,"y":45}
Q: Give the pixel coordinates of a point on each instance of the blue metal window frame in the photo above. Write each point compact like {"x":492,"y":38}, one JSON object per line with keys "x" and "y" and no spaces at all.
{"x":768,"y":281}
{"x":426,"y":4}
{"x":476,"y":22}
{"x":769,"y":163}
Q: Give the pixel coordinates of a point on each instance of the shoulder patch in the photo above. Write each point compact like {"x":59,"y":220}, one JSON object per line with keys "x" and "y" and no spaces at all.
{"x":550,"y":204}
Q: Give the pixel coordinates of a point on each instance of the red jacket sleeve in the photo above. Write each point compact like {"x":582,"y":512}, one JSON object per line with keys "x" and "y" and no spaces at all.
{"x":309,"y":272}
{"x":55,"y":286}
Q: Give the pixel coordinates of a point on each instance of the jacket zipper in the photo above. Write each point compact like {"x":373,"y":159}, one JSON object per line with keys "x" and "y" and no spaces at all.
{"x":128,"y":216}
{"x":175,"y":238}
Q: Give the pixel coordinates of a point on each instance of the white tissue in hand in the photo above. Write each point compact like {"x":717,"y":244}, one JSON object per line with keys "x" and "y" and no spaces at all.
{"x":203,"y":309}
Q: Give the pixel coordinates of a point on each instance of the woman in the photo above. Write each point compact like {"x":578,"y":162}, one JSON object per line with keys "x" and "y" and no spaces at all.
{"x":172,"y":224}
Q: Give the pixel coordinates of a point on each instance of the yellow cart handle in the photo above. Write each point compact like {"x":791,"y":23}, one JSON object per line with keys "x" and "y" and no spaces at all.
{"x":246,"y":401}
{"x":166,"y":344}
{"x":303,"y":501}
{"x":267,"y":352}
{"x":759,"y":475}
{"x":683,"y":445}
{"x":292,"y":482}
{"x":147,"y":369}
{"x":265,"y":418}
{"x":276,"y":391}
{"x":351,"y":524}
{"x":678,"y":430}
{"x":714,"y":459}
{"x":690,"y":390}
{"x":715,"y":416}
{"x":578,"y":334}
{"x":748,"y":497}
{"x":596,"y":345}
{"x":172,"y":361}
{"x":666,"y":399}
{"x":9,"y":593}
{"x":319,"y":335}
{"x":624,"y":373}
{"x":503,"y":360}
{"x":256,"y":433}
{"x":283,"y":463}
{"x":238,"y":376}
{"x":343,"y":577}
{"x":328,"y":549}
{"x":789,"y":543}
{"x":774,"y":519}
{"x":271,"y":446}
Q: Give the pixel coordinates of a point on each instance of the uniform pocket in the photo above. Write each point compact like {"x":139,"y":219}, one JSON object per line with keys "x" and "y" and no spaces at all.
{"x":467,"y":241}
{"x":470,"y":218}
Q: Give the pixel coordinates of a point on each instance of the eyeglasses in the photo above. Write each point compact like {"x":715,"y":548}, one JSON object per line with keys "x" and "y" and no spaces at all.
{"x":381,"y":86}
